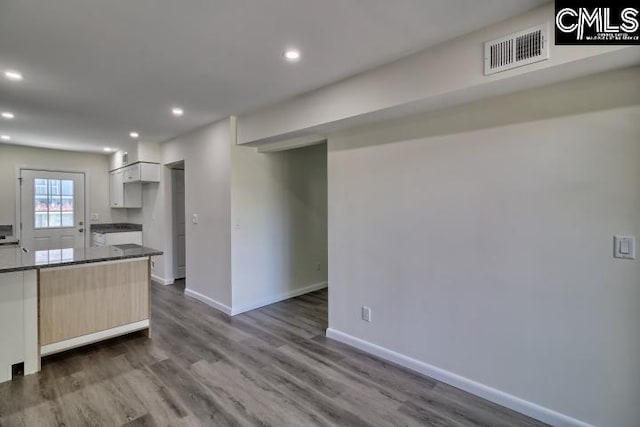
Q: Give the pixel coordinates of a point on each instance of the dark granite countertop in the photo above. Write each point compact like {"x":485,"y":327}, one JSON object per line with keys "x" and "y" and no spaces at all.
{"x":115,"y":228}
{"x":15,"y":259}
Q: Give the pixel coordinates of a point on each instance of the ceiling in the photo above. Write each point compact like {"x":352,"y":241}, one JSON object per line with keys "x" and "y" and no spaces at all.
{"x":96,"y":70}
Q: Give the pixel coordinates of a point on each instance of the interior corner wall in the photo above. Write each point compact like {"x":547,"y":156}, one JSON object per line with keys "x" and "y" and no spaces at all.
{"x":96,"y":186}
{"x":207,"y":157}
{"x":485,"y":249}
{"x":279,"y":224}
{"x":156,"y":219}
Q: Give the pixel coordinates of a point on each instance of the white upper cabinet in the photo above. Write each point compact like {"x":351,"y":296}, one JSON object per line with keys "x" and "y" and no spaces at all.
{"x":116,"y":189}
{"x":129,"y":169}
{"x":142,"y":172}
{"x":121,"y":194}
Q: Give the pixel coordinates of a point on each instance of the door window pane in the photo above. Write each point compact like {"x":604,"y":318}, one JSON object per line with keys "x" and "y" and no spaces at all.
{"x":42,"y":220}
{"x":67,"y":187}
{"x":54,"y":186}
{"x":41,"y":203}
{"x":53,"y":203}
{"x":66,"y":203}
{"x":54,"y":219}
{"x":41,"y":186}
{"x":67,"y":219}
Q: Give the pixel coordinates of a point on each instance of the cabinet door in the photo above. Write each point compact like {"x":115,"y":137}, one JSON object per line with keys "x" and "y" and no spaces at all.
{"x":123,"y":238}
{"x":132,"y":173}
{"x":133,"y":195}
{"x":11,"y":322}
{"x":149,"y":172}
{"x":116,"y":189}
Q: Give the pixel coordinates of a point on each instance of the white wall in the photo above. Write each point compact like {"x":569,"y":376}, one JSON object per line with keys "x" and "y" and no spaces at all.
{"x":279,"y":219}
{"x":482,"y":239}
{"x":94,"y":165}
{"x":278,"y":235}
{"x":206,"y":153}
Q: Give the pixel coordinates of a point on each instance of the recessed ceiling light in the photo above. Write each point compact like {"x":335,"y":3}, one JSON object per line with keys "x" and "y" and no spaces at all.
{"x":14,"y":75}
{"x":292,"y":55}
{"x":108,"y":150}
{"x":177,"y":111}
{"x":5,"y":137}
{"x":134,"y":135}
{"x":7,"y":115}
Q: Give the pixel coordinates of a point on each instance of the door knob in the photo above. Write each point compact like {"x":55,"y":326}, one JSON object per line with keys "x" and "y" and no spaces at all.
{"x":80,"y":230}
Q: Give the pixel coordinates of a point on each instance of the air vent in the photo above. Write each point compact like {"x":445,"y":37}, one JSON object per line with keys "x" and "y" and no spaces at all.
{"x":516,"y":50}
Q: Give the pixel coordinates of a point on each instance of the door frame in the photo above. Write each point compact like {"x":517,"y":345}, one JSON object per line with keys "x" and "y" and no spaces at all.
{"x":18,"y":198}
{"x":174,"y":257}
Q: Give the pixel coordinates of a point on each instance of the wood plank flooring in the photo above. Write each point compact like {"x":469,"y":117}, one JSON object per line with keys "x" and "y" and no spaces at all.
{"x":268,"y":367}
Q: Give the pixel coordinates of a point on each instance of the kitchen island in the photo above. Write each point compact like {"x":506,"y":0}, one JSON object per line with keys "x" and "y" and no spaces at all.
{"x":55,"y":300}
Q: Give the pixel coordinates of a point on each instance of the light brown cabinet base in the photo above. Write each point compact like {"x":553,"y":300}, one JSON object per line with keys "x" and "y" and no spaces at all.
{"x":92,"y":299}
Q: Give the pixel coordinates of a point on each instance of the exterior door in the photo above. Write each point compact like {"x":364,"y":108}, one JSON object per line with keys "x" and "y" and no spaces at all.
{"x":51,"y":210}
{"x":178,"y":223}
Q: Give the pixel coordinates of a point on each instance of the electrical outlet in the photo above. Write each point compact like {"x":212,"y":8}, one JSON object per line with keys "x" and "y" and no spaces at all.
{"x":366,"y":314}
{"x":318,"y":267}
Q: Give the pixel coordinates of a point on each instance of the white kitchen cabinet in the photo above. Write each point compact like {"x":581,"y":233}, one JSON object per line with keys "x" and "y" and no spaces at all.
{"x":18,"y":322}
{"x":142,"y":172}
{"x":11,"y":322}
{"x":116,"y":189}
{"x":110,"y":239}
{"x":121,"y":194}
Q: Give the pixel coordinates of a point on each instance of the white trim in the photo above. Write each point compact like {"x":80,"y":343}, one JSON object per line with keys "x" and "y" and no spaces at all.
{"x":161,"y":280}
{"x":517,"y":404}
{"x":59,"y":346}
{"x":174,"y":223}
{"x":277,"y":298}
{"x":210,"y":302}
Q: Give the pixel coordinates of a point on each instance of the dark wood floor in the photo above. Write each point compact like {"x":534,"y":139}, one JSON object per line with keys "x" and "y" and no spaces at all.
{"x":269,"y":367}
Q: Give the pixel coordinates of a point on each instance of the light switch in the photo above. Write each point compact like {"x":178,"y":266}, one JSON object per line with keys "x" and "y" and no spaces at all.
{"x":194,"y":219}
{"x":624,"y":247}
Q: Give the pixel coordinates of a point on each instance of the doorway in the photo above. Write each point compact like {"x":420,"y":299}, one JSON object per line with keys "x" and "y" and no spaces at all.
{"x":51,"y":210}
{"x":177,"y":186}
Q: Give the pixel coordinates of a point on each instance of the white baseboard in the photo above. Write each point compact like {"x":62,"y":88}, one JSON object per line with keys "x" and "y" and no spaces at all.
{"x":209,"y":301}
{"x":517,"y":404}
{"x":59,"y":346}
{"x":161,"y":280}
{"x":277,"y":298}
